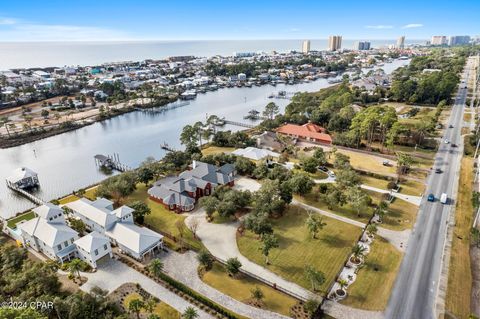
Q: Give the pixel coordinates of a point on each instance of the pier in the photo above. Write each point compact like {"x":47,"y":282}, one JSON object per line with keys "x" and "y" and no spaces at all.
{"x":161,"y":109}
{"x":112,"y":162}
{"x":247,"y":125}
{"x":25,"y":194}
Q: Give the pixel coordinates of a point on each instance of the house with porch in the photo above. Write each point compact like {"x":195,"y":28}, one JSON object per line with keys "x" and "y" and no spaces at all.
{"x":308,"y":131}
{"x":180,"y":193}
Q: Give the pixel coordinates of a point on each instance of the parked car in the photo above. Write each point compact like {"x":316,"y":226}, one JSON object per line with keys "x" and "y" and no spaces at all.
{"x":323,"y":169}
{"x":431,"y":198}
{"x":331,"y":174}
{"x":450,"y":126}
{"x":438,"y":170}
{"x":386,"y":163}
{"x":446,"y":141}
{"x":454,"y":145}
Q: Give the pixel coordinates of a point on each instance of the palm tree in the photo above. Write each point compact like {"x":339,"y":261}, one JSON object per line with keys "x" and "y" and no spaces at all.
{"x":190,"y":313}
{"x":358,"y":252}
{"x":343,"y":284}
{"x":382,"y":209}
{"x":74,"y":266}
{"x":372,"y":229}
{"x":155,"y":267}
{"x":149,"y":305}
{"x":135,"y":306}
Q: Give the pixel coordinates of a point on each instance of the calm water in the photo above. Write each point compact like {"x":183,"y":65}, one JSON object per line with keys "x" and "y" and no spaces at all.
{"x":65,"y":162}
{"x":43,"y":54}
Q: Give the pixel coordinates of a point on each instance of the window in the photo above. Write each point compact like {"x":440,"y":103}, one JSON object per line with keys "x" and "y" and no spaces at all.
{"x":59,"y":247}
{"x":65,"y":243}
{"x":71,"y":240}
{"x":105,"y":247}
{"x":96,"y":252}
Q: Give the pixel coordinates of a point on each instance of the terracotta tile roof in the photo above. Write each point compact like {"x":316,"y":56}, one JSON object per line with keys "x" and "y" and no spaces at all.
{"x":308,"y":130}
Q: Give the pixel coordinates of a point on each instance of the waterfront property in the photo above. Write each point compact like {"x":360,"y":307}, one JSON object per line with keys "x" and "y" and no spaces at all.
{"x":23,"y":177}
{"x":309,"y":131}
{"x":255,"y":154}
{"x":179,"y":193}
{"x":117,"y":225}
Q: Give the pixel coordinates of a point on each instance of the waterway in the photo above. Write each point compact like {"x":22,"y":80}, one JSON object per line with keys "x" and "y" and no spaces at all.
{"x":65,"y":162}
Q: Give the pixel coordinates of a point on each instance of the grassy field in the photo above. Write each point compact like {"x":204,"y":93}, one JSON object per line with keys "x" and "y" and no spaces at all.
{"x":162,"y":309}
{"x":459,"y":276}
{"x":89,"y":193}
{"x":11,"y":223}
{"x":297,"y":249}
{"x":240,"y":289}
{"x":375,"y":280}
{"x":408,"y":187}
{"x":401,"y":214}
{"x":368,"y":162}
{"x":161,"y":219}
{"x":422,"y":113}
{"x":216,"y":149}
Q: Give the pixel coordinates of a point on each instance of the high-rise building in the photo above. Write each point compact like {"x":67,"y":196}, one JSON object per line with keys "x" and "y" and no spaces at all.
{"x":362,"y":45}
{"x":401,"y":42}
{"x":306,"y":46}
{"x":459,"y":40}
{"x":335,"y":42}
{"x":439,"y":40}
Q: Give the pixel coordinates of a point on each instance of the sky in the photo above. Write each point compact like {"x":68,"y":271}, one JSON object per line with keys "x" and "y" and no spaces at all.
{"x":120,"y":20}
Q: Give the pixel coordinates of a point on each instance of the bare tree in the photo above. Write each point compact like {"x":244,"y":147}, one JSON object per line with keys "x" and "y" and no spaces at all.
{"x":194,"y":226}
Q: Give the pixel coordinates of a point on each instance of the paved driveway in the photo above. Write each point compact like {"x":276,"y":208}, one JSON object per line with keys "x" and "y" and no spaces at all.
{"x":112,"y":273}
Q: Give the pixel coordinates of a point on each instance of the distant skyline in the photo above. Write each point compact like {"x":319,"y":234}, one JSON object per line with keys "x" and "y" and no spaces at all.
{"x":106,"y":20}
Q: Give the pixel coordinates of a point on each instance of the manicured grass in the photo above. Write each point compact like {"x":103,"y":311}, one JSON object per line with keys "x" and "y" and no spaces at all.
{"x":11,"y":223}
{"x":460,"y":275}
{"x":412,"y":187}
{"x":375,"y":280}
{"x":317,"y":175}
{"x":401,"y":214}
{"x":297,"y":249}
{"x":68,"y":199}
{"x":374,"y":182}
{"x":162,"y":309}
{"x":89,"y":193}
{"x":216,"y":150}
{"x":162,"y":219}
{"x":241,"y":288}
{"x":314,"y":199}
{"x":368,"y":162}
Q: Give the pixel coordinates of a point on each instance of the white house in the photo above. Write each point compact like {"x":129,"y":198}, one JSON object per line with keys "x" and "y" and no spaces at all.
{"x":92,"y":247}
{"x":255,"y":154}
{"x":116,"y":224}
{"x":23,"y":177}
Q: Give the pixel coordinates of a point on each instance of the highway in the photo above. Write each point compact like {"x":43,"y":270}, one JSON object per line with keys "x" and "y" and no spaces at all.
{"x":416,"y":287}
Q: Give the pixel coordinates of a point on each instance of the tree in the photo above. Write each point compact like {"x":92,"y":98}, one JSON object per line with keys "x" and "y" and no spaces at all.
{"x":44,"y":113}
{"x":268,"y":199}
{"x":314,"y":224}
{"x":258,"y":223}
{"x":233,"y":266}
{"x":341,"y":161}
{"x":382,"y":209}
{"x":309,"y":164}
{"x":343,"y":283}
{"x":209,"y":203}
{"x":404,"y":162}
{"x":319,"y":155}
{"x":271,"y":109}
{"x":155,"y":267}
{"x":358,"y":252}
{"x":257,"y":294}
{"x":78,"y":225}
{"x":316,"y":277}
{"x":346,"y":178}
{"x":205,"y":259}
{"x":310,"y":306}
{"x":300,"y":184}
{"x":358,"y":199}
{"x":145,"y":174}
{"x":244,"y":166}
{"x":194,"y":224}
{"x":74,"y":266}
{"x":372,"y":229}
{"x":150,"y":305}
{"x":269,"y":241}
{"x":141,"y":210}
{"x":135,"y":306}
{"x":190,"y":313}
{"x":118,"y":187}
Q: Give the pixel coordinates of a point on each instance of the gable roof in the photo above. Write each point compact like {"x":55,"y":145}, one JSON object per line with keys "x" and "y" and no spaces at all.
{"x":49,"y":211}
{"x":20,"y":174}
{"x":50,"y":234}
{"x":254,"y":153}
{"x":137,"y":239}
{"x":122,"y":211}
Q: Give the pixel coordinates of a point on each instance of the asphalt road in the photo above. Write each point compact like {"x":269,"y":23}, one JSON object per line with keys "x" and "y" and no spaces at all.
{"x":416,"y":286}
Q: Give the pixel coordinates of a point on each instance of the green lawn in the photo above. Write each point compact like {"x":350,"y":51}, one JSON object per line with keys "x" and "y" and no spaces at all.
{"x":89,"y":193}
{"x":297,"y":249}
{"x":374,"y":182}
{"x":11,"y":223}
{"x":162,"y":219}
{"x":162,"y":309}
{"x":375,"y":280}
{"x":240,"y":289}
{"x":401,"y":214}
{"x":407,"y":187}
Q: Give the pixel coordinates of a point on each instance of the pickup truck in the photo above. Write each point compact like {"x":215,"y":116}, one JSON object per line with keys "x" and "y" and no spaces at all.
{"x":443,"y":198}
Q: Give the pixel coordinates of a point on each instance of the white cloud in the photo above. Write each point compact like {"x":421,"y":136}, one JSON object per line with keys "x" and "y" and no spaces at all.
{"x":17,"y":30}
{"x":380,"y":26}
{"x":7,"y":21}
{"x":412,"y":25}
{"x":294,"y":30}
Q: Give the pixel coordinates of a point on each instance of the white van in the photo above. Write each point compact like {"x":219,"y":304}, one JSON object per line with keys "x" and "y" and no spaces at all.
{"x":443,"y":198}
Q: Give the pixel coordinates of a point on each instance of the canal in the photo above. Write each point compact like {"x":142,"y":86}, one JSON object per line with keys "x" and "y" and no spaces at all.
{"x":65,"y":163}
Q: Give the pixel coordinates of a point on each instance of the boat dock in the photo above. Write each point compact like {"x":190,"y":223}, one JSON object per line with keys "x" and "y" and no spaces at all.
{"x":161,"y":109}
{"x":167,"y":147}
{"x":112,"y":162}
{"x":25,"y":194}
{"x":247,"y":125}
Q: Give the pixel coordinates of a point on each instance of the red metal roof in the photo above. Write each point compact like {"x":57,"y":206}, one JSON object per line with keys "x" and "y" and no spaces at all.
{"x":307,"y":131}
